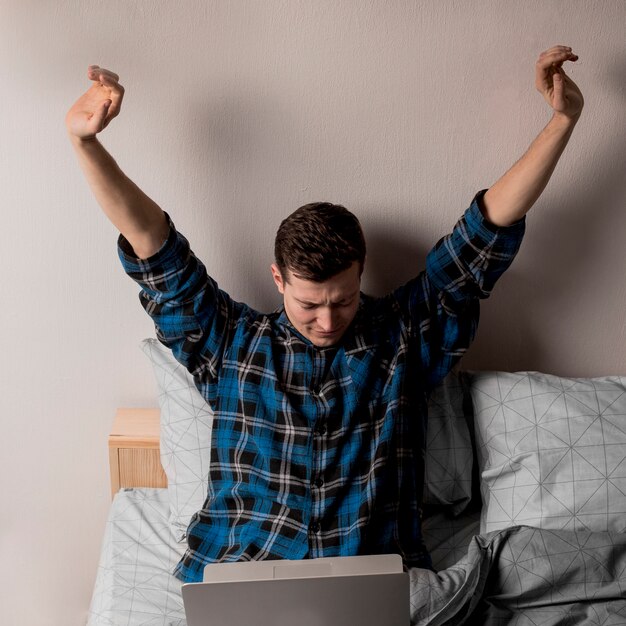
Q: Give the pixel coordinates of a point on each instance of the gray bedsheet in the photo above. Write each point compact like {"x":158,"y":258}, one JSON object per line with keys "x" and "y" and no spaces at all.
{"x":517,"y":576}
{"x":524,"y":575}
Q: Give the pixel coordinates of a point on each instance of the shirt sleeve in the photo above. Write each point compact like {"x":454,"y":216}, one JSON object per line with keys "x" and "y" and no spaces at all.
{"x":442,"y":303}
{"x":191,"y":315}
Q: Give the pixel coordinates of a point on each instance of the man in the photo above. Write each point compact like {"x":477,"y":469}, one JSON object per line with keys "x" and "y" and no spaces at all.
{"x":320,"y":407}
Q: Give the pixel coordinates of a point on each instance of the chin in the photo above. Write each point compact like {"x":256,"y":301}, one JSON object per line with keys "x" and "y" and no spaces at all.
{"x":321,"y":343}
{"x":325,"y":341}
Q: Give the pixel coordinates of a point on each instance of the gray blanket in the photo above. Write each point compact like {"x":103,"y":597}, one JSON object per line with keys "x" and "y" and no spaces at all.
{"x":524,"y":575}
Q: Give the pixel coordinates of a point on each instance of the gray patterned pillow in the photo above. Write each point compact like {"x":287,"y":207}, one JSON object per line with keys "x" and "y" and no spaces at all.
{"x":186,"y":422}
{"x":552,"y":451}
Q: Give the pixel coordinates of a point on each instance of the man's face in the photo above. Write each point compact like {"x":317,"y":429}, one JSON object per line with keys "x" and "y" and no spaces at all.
{"x":321,"y":312}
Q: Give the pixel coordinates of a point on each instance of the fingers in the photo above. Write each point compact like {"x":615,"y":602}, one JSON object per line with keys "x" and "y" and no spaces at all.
{"x":106,"y":78}
{"x":555,"y":57}
{"x":559,"y":88}
{"x":98,"y":120}
{"x":549,"y":63}
{"x":96,"y":70}
{"x":109,"y":80}
{"x":559,"y":91}
{"x":555,"y":49}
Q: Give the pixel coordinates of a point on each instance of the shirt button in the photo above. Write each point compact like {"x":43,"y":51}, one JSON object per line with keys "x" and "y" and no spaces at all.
{"x":318,"y":482}
{"x":321,"y":429}
{"x":315,"y":527}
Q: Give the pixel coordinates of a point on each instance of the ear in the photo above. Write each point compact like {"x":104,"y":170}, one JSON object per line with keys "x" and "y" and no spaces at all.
{"x":278,"y":278}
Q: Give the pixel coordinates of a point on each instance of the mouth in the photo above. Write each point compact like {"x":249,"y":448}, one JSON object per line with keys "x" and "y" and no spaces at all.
{"x":327,"y":333}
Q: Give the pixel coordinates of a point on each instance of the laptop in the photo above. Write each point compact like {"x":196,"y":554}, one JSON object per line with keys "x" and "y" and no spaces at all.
{"x":329,"y":591}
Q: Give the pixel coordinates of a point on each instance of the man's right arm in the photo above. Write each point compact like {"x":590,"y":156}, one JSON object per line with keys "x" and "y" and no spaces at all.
{"x":131,"y":211}
{"x":191,"y":315}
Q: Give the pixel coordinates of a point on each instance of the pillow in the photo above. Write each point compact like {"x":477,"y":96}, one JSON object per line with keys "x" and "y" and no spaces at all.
{"x":186,"y":422}
{"x":551,"y":451}
{"x":449,"y":452}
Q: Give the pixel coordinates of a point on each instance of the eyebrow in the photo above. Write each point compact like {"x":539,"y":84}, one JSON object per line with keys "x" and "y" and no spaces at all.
{"x":346,"y":299}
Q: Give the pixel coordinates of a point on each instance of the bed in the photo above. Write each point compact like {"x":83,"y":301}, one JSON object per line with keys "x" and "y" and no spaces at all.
{"x":524,"y":501}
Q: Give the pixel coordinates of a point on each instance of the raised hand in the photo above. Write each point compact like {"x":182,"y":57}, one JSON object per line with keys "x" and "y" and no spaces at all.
{"x":558,"y":89}
{"x":95,"y":109}
{"x":514,"y":193}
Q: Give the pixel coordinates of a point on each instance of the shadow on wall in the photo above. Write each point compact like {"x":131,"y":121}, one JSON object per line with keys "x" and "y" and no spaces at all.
{"x":234,"y":136}
{"x":562,"y":282}
{"x":392,"y":260}
{"x":528,"y":308}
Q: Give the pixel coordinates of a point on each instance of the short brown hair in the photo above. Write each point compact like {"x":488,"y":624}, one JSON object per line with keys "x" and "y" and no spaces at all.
{"x":319,"y":240}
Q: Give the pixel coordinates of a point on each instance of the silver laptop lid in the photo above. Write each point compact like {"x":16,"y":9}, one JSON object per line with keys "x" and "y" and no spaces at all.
{"x":362,"y":599}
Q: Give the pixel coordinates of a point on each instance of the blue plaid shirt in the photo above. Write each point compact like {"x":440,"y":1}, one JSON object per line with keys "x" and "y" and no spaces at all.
{"x":318,"y":451}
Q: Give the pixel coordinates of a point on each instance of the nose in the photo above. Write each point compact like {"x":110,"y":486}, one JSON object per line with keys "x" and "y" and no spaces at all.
{"x":327,"y":320}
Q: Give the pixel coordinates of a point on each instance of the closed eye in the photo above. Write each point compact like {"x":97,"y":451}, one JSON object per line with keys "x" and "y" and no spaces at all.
{"x":309,"y":306}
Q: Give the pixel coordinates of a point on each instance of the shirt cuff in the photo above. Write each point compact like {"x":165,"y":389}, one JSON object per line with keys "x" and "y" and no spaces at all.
{"x":167,"y":251}
{"x":481,"y":226}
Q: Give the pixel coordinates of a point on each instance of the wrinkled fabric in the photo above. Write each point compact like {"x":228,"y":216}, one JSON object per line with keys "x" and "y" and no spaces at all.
{"x":527,"y":576}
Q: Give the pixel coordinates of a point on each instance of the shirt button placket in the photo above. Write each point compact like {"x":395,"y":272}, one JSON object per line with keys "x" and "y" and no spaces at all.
{"x":319,"y":444}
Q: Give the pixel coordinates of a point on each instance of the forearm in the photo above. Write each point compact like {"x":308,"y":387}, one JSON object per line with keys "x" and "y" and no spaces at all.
{"x":512,"y":196}
{"x":130,"y":210}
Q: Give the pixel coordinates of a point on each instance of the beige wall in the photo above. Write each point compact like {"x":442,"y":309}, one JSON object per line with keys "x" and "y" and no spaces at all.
{"x":236,"y":113}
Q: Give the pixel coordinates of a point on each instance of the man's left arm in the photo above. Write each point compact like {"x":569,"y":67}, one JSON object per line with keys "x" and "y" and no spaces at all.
{"x":512,"y":196}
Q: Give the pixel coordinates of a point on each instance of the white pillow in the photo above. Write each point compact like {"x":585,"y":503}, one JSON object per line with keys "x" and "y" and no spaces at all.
{"x":186,"y":422}
{"x":552,"y":451}
{"x":449,"y":452}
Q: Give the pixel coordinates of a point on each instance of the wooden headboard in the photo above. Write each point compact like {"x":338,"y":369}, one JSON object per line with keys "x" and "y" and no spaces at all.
{"x":134,"y":450}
